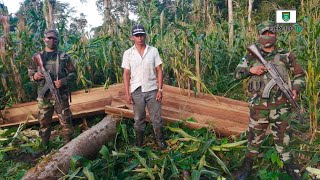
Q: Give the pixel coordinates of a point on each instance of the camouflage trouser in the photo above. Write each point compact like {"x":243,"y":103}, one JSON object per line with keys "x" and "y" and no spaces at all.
{"x":46,"y":109}
{"x":278,"y":118}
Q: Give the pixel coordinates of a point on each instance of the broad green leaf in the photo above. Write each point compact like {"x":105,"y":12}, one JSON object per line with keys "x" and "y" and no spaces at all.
{"x":118,"y":154}
{"x":104,"y":151}
{"x":209,"y":173}
{"x":88,"y":173}
{"x":74,"y":160}
{"x":235,"y":144}
{"x":161,"y":174}
{"x":74,"y":173}
{"x":181,"y":132}
{"x":174,"y":169}
{"x":125,"y":133}
{"x":220,"y":162}
{"x":204,"y":148}
{"x":274,"y":157}
{"x":151,"y":154}
{"x":195,"y":175}
{"x":202,"y":162}
{"x":143,"y":162}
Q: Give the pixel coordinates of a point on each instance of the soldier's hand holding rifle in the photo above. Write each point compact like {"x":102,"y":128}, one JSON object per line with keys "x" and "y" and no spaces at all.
{"x":258,"y":70}
{"x":38,"y":76}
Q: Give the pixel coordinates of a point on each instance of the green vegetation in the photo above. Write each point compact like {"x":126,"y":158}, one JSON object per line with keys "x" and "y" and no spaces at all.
{"x":175,"y":28}
{"x":191,"y":153}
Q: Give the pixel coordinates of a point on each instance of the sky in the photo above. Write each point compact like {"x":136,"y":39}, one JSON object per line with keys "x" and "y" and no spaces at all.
{"x":89,"y":9}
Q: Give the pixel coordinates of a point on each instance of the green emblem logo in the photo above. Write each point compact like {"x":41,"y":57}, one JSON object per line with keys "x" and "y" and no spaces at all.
{"x":286,"y":16}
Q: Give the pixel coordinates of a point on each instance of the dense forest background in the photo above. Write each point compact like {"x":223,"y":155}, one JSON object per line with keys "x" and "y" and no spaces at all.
{"x":214,"y":33}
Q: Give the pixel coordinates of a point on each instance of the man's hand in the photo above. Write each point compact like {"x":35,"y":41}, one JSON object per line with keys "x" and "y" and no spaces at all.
{"x":129,"y":99}
{"x":38,"y":76}
{"x":159,"y":96}
{"x":258,"y":70}
{"x":58,"y":83}
{"x":295,"y":94}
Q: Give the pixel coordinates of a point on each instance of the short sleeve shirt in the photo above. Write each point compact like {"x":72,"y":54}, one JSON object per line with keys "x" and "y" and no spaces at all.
{"x":142,"y":69}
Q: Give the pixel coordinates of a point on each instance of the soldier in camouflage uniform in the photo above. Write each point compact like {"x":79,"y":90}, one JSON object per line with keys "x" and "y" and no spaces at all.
{"x":62,"y":74}
{"x":275,"y":110}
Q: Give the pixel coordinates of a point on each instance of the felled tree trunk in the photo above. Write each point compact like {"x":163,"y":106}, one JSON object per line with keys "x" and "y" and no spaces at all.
{"x":86,"y":144}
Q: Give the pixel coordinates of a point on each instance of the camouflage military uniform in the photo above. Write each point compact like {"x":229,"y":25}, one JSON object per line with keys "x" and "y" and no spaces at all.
{"x":275,"y":110}
{"x":66,"y":74}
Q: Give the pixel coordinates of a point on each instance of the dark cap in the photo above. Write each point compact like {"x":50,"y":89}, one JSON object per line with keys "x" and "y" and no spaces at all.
{"x":138,"y":29}
{"x":51,"y":33}
{"x":266,"y":26}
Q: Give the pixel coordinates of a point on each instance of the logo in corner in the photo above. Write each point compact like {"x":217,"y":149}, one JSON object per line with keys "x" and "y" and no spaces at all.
{"x":286,"y":16}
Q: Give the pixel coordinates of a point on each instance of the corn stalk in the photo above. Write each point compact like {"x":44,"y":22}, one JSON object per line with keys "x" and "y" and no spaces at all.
{"x":311,"y":35}
{"x":7,"y":41}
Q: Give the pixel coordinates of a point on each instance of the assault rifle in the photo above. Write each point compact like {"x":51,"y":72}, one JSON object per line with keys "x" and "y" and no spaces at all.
{"x":49,"y":85}
{"x":276,"y":80}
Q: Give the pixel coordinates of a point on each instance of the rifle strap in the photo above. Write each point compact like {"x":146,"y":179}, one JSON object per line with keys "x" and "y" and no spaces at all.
{"x":57,"y":65}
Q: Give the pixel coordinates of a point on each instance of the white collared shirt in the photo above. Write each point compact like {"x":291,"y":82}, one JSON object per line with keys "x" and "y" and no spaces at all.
{"x":142,"y":69}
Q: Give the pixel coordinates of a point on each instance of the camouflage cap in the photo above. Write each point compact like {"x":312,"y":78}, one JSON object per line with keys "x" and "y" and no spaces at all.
{"x":51,"y":33}
{"x":266,"y":26}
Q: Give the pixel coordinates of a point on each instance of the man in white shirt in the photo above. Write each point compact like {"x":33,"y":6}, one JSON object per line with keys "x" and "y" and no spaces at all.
{"x":142,"y":76}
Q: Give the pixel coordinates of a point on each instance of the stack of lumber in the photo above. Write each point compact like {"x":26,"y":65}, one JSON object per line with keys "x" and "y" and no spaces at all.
{"x":83,"y":104}
{"x":222,"y":115}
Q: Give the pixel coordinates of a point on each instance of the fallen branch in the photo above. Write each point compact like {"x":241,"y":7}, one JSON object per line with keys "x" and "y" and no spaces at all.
{"x":86,"y":144}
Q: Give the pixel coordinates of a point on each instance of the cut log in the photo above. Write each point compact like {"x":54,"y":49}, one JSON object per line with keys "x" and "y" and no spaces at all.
{"x":86,"y":144}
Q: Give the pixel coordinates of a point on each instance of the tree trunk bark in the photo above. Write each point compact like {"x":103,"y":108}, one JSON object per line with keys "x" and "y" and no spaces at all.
{"x":302,"y":6}
{"x":45,"y":13}
{"x":198,"y":68}
{"x":86,"y":144}
{"x":50,"y":14}
{"x":205,"y":13}
{"x":4,"y":82}
{"x":230,"y":15}
{"x":107,"y":16}
{"x":186,"y":54}
{"x":249,"y":14}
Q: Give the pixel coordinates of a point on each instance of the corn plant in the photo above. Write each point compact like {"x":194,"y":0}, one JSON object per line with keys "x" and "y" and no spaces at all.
{"x":308,"y":43}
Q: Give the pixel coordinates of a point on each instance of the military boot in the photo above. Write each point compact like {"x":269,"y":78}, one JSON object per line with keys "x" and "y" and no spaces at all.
{"x":292,"y":170}
{"x":45,"y":137}
{"x":67,"y":136}
{"x":43,"y":148}
{"x":245,"y":169}
{"x":159,"y":138}
{"x":45,"y":141}
{"x":139,"y":138}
